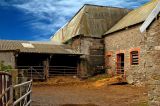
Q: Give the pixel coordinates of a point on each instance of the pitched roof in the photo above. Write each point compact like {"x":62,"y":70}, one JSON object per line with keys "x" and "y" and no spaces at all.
{"x":35,"y":47}
{"x":90,"y":20}
{"x":134,"y":17}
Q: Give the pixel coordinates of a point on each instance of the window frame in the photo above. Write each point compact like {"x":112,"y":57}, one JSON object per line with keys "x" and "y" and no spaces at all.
{"x":131,"y":56}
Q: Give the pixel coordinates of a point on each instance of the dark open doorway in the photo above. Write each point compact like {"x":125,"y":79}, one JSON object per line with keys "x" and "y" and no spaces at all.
{"x":120,"y":63}
{"x":42,"y":66}
{"x":63,"y":65}
{"x":32,"y":65}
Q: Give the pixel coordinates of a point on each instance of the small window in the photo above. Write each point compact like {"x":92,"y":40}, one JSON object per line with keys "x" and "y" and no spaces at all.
{"x":134,"y":58}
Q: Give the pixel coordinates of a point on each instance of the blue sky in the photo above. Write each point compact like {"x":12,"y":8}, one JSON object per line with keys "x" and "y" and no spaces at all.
{"x":38,"y":20}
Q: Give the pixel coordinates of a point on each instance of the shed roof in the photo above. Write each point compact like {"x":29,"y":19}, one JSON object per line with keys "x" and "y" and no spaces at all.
{"x":91,"y":21}
{"x":35,"y":47}
{"x":134,"y":17}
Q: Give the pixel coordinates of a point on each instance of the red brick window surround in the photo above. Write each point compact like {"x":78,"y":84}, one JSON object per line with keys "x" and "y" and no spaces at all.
{"x":134,"y":57}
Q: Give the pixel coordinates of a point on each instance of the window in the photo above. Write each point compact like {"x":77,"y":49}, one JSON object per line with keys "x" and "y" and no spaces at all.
{"x":134,"y":58}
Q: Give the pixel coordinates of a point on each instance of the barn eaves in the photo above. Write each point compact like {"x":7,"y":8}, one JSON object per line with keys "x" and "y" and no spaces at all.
{"x":36,"y":47}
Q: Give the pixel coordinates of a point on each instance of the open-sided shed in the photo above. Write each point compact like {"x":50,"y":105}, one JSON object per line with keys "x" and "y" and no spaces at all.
{"x":41,"y":59}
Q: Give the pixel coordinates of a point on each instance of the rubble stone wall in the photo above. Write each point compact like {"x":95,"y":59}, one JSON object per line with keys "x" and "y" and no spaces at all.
{"x":148,"y":44}
{"x":124,"y":42}
{"x":93,"y":50}
{"x":153,"y":62}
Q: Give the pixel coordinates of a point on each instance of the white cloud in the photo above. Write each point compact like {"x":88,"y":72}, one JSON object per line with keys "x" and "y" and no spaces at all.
{"x":53,"y":14}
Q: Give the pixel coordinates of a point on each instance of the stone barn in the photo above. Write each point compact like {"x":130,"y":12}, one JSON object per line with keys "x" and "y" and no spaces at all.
{"x":132,"y":45}
{"x":40,"y":60}
{"x":84,"y":33}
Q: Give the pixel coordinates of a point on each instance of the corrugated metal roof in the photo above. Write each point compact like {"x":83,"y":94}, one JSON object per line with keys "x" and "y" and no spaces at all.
{"x":91,"y":20}
{"x":38,"y":47}
{"x":134,"y":17}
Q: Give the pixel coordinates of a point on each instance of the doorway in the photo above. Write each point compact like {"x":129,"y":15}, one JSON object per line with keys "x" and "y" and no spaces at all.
{"x":120,"y":63}
{"x":63,"y":65}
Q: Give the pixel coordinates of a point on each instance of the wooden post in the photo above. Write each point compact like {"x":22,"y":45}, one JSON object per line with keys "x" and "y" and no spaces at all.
{"x":1,"y":89}
{"x":46,"y":68}
{"x":78,"y":68}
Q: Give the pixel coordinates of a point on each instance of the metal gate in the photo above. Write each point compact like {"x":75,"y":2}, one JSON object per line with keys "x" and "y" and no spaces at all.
{"x":41,"y":72}
{"x":62,"y":71}
{"x":14,"y":95}
{"x":24,"y":93}
{"x":5,"y":89}
{"x":32,"y":72}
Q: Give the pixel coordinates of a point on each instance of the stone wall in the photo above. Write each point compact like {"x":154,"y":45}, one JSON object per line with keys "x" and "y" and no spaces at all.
{"x":132,"y":39}
{"x":148,"y":70}
{"x":124,"y":42}
{"x":153,"y":62}
{"x":8,"y":58}
{"x":93,"y":50}
{"x":154,"y":91}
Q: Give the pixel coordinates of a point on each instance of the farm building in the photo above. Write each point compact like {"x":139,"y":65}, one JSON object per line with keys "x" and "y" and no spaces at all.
{"x":108,"y":37}
{"x":132,"y":46}
{"x":84,"y":34}
{"x":40,"y":59}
